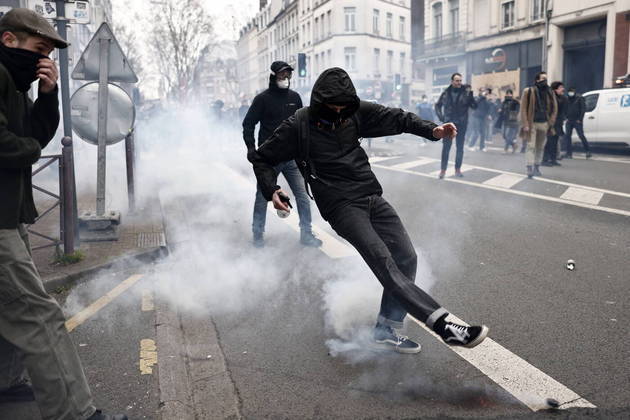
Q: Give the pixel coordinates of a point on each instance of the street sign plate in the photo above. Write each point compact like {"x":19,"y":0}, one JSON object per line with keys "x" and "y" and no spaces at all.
{"x":76,"y":11}
{"x":88,"y":66}
{"x":121,"y":113}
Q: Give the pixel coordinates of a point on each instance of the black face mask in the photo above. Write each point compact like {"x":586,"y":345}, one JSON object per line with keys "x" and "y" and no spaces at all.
{"x":333,"y":117}
{"x":21,"y":64}
{"x":542,"y":84}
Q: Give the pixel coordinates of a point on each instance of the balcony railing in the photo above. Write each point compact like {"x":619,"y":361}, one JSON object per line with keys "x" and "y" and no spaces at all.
{"x":445,"y":44}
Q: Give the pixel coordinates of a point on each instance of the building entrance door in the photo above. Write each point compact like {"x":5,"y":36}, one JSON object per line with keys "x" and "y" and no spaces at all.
{"x":584,"y":55}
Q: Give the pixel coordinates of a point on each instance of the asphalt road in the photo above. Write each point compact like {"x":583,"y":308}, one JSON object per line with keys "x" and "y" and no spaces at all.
{"x":283,"y":314}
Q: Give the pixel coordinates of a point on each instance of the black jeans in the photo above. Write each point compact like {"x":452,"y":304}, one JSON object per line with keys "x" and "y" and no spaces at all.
{"x":568,"y":144}
{"x":372,"y":226}
{"x":551,"y":149}
{"x":459,"y":144}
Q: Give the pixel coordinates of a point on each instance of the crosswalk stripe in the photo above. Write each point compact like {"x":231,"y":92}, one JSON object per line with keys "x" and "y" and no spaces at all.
{"x":375,"y":159}
{"x":414,"y":163}
{"x":525,"y":382}
{"x":582,"y":195}
{"x":504,"y":180}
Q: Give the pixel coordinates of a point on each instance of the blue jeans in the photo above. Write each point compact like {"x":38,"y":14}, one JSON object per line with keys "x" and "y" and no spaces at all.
{"x":509,"y":134}
{"x":478,"y":130}
{"x":296,"y":183}
{"x":459,"y":143}
{"x":373,"y":228}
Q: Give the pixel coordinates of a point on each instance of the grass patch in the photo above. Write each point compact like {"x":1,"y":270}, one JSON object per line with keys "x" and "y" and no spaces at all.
{"x":69,"y":259}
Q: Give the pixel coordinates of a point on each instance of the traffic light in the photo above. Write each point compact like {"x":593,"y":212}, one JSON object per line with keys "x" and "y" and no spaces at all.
{"x":301,"y":65}
{"x":397,"y":82}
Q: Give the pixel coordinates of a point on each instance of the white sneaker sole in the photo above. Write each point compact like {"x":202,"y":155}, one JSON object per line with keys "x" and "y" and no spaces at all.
{"x":482,"y":336}
{"x":388,"y":346}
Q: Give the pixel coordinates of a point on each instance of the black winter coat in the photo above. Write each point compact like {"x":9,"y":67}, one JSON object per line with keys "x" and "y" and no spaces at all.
{"x":270,"y":108}
{"x":576,"y":108}
{"x":25,"y":129}
{"x":342,"y":166}
{"x":455,"y":111}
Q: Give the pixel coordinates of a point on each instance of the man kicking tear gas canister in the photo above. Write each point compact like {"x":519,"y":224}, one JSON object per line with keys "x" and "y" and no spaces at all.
{"x":324,"y":141}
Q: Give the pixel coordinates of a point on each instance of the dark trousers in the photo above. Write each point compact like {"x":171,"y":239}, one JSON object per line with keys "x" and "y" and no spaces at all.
{"x":372,"y":226}
{"x":459,"y":144}
{"x":568,"y":144}
{"x":509,"y":134}
{"x":551,"y":149}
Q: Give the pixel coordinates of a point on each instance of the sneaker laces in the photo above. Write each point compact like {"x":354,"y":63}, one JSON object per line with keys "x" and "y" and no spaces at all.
{"x":460,"y":328}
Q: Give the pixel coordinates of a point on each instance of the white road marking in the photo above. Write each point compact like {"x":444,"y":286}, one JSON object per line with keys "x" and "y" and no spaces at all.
{"x":582,"y":195}
{"x":504,"y":180}
{"x":331,"y":246}
{"x":583,"y":156}
{"x":517,"y":192}
{"x":451,"y":170}
{"x":525,"y":382}
{"x":375,"y":159}
{"x":414,"y":163}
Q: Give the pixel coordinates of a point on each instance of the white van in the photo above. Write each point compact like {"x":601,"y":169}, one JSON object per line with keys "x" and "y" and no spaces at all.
{"x":607,"y":118}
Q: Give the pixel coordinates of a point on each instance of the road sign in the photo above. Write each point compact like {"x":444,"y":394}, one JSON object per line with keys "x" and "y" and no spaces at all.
{"x":76,"y":11}
{"x":88,"y":67}
{"x":120,"y":111}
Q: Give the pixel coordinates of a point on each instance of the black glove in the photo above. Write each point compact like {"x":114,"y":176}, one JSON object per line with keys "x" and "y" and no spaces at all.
{"x":250,"y":153}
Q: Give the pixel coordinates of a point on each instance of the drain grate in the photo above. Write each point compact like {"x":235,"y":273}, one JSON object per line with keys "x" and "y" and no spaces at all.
{"x":151,"y":240}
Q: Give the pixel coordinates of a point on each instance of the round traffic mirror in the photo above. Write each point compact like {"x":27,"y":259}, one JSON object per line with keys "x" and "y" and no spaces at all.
{"x":121,"y":113}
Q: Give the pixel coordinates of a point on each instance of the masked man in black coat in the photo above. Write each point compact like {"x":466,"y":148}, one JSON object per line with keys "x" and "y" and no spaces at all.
{"x":324,"y":140}
{"x":270,"y":108}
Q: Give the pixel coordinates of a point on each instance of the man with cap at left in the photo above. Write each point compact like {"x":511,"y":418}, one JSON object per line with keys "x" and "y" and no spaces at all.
{"x":33,"y":336}
{"x":270,"y":108}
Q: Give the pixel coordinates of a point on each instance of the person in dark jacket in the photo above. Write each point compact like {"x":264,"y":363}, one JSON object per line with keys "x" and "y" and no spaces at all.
{"x":33,"y":336}
{"x":324,"y":139}
{"x":270,"y":108}
{"x":425,"y":110}
{"x":480,"y":118}
{"x":507,"y":120}
{"x":453,"y":106}
{"x":550,"y":156}
{"x":576,"y":108}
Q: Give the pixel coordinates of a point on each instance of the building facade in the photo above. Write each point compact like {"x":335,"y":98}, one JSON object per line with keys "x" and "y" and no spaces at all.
{"x":502,"y":44}
{"x":371,"y":39}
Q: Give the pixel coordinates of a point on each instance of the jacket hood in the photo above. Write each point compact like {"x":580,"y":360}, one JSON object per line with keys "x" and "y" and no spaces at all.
{"x":334,"y":86}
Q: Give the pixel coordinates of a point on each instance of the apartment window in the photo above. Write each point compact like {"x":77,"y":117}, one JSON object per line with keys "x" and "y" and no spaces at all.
{"x":453,"y":6}
{"x":390,"y":59}
{"x":437,"y":20}
{"x":401,"y":28}
{"x":402,"y":64}
{"x":507,"y":14}
{"x":350,"y":55}
{"x":329,"y":18}
{"x":377,"y":61}
{"x":388,"y":25}
{"x":329,"y":58}
{"x":538,"y":9}
{"x":323,"y":23}
{"x":375,"y":23}
{"x":350,"y":14}
{"x":316,"y":29}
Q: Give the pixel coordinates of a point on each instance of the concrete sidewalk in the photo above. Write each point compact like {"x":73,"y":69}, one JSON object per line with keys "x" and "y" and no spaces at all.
{"x":141,"y":240}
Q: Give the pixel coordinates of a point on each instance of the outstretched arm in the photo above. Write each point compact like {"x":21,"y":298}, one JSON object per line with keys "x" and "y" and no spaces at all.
{"x":378,"y":121}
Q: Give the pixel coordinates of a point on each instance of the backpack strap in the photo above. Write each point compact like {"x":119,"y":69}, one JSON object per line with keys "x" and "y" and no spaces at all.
{"x":303,"y":161}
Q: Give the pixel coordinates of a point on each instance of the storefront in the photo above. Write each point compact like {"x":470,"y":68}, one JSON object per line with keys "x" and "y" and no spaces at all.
{"x":511,"y":66}
{"x":584,"y":54}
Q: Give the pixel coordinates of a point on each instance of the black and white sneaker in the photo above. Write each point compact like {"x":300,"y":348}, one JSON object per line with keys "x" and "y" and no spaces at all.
{"x":386,"y":338}
{"x":461,"y":335}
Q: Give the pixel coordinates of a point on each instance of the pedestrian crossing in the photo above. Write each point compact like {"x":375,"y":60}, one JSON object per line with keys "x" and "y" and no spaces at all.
{"x":542,"y":188}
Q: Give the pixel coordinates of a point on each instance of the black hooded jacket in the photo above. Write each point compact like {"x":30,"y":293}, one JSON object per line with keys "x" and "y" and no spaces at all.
{"x":453,"y":105}
{"x":270,"y":108}
{"x":576,"y":108}
{"x":342,"y":166}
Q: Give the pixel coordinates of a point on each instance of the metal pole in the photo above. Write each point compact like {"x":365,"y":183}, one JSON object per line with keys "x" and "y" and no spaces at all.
{"x":130,"y":155}
{"x":67,"y":186}
{"x":62,"y":30}
{"x":103,"y":92}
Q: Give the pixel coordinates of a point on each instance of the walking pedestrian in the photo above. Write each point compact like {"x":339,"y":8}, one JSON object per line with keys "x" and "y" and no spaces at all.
{"x":507,"y":120}
{"x":538,"y":117}
{"x":33,"y":336}
{"x":270,"y":108}
{"x":576,"y":108}
{"x":453,"y":106}
{"x":550,"y":156}
{"x":324,"y":139}
{"x":479,"y":124}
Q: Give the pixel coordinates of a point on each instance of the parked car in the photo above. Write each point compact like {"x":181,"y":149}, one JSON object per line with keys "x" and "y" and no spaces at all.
{"x":607,"y":118}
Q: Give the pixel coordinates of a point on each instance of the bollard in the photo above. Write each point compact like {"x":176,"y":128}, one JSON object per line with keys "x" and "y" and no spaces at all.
{"x":67,"y":188}
{"x":130,"y":158}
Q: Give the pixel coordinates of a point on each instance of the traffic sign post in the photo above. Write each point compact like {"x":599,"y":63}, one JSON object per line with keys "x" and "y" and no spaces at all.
{"x":104,"y":61}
